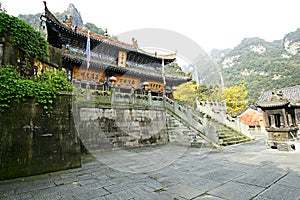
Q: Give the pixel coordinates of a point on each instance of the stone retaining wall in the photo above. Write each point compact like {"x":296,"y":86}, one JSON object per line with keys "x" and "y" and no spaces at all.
{"x":34,"y":143}
{"x":105,"y":129}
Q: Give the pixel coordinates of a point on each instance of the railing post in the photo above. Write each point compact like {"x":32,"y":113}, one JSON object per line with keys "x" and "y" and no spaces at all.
{"x":149,"y":98}
{"x":88,"y":95}
{"x":132,"y":97}
{"x":112,"y":93}
{"x":174,"y":106}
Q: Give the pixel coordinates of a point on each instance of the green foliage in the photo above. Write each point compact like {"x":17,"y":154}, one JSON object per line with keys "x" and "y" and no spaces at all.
{"x":174,"y":69}
{"x":93,"y":28}
{"x":293,"y":36}
{"x":24,"y":36}
{"x":55,"y":80}
{"x":234,"y":96}
{"x":236,"y":99}
{"x":15,"y":88}
{"x":208,"y":93}
{"x":186,"y":93}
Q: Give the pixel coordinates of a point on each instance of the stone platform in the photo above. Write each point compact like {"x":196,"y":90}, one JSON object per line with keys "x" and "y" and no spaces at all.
{"x":244,"y":171}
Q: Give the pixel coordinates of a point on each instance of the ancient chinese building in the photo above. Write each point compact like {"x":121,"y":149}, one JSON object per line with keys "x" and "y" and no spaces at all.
{"x":130,"y":66}
{"x":282,"y":116}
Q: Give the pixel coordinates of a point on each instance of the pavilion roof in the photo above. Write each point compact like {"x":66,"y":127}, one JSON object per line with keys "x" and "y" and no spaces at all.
{"x":130,"y":47}
{"x":280,"y":97}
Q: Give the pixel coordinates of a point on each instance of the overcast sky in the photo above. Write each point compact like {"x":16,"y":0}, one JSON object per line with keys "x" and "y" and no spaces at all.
{"x":210,"y":23}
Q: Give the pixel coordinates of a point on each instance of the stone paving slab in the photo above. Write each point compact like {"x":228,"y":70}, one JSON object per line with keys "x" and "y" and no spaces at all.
{"x":207,"y":197}
{"x":291,"y":180}
{"x":222,"y":175}
{"x":240,"y":167}
{"x":204,"y":184}
{"x":244,"y":171}
{"x":263,"y":177}
{"x":277,"y":191}
{"x":236,"y":191}
{"x":184,"y":191}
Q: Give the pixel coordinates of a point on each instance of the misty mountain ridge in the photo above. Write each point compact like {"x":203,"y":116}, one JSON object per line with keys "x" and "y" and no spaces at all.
{"x":261,"y":64}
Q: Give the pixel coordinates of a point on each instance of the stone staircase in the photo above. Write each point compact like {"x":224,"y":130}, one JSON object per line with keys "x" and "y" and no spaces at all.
{"x":196,"y":127}
{"x":181,"y":117}
{"x":180,"y":134}
{"x":227,"y":136}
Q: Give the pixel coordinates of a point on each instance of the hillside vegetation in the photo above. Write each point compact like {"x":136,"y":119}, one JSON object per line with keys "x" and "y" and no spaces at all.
{"x":262,"y":65}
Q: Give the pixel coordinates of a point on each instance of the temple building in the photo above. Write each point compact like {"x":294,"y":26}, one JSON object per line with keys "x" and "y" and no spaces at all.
{"x":281,"y":109}
{"x":109,"y":60}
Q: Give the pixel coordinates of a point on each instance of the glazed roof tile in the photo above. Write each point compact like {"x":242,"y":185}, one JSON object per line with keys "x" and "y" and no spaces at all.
{"x":280,"y":97}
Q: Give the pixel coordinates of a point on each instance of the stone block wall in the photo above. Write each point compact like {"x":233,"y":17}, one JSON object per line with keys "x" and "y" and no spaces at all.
{"x":34,"y":143}
{"x":108,"y":128}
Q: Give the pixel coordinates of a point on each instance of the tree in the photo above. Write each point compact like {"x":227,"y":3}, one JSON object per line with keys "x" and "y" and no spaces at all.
{"x":236,"y":99}
{"x":203,"y":92}
{"x":93,"y":28}
{"x":186,"y":93}
{"x":209,"y":93}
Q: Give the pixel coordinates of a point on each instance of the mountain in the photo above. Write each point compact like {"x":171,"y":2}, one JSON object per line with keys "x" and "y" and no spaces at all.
{"x":34,"y":20}
{"x":71,"y":11}
{"x":261,"y":64}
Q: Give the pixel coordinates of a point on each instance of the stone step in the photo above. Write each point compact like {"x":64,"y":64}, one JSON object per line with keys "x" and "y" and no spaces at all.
{"x":226,"y":132}
{"x":231,"y":134}
{"x":226,"y":143}
{"x":221,"y":127}
{"x":234,"y":138}
{"x":227,"y":136}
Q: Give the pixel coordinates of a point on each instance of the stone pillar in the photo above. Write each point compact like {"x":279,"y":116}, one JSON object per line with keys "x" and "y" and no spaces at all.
{"x":132,"y":96}
{"x":112,"y":94}
{"x":149,"y":98}
{"x":88,"y":91}
{"x":284,"y":123}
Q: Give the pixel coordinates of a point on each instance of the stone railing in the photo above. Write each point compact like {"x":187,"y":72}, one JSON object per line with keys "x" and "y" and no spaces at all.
{"x":192,"y":120}
{"x":217,"y":112}
{"x":109,"y":96}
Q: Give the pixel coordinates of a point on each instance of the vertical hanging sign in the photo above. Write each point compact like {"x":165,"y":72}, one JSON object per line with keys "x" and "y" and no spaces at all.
{"x":122,"y":59}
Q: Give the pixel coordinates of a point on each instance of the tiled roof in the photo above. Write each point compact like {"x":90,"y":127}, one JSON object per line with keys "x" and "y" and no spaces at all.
{"x":289,"y":93}
{"x":266,"y":104}
{"x":250,"y":117}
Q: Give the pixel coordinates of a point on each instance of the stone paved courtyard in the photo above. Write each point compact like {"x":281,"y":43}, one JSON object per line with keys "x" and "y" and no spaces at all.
{"x":245,"y":171}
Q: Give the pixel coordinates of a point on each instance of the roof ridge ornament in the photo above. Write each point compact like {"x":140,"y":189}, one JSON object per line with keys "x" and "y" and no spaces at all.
{"x":134,"y":43}
{"x":277,"y":95}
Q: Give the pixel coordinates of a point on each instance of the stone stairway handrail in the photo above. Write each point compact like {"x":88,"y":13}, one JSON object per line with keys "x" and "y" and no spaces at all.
{"x":188,"y":117}
{"x":221,"y":117}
